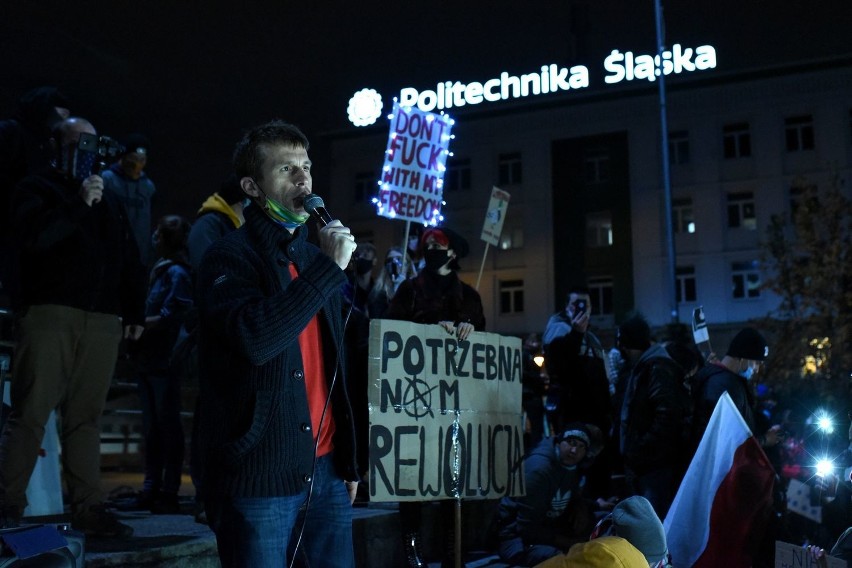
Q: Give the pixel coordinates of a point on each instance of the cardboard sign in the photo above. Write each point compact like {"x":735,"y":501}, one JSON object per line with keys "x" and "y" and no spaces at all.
{"x":411,"y":186}
{"x":494,"y":216}
{"x":445,"y":415}
{"x":792,"y":556}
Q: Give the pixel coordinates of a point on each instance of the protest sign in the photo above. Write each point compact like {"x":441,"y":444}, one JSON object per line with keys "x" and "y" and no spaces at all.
{"x":792,"y":556}
{"x":494,"y":216}
{"x":445,"y":415}
{"x":411,"y":186}
{"x":799,"y":501}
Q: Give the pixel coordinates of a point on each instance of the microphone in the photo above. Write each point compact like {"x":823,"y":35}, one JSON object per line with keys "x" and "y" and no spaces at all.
{"x":316,"y":207}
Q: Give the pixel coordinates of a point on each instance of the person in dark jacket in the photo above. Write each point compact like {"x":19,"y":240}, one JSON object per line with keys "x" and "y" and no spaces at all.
{"x":81,"y":282}
{"x":654,"y":416}
{"x":169,"y":299}
{"x":277,"y":433}
{"x":436,"y":296}
{"x":24,"y":150}
{"x":127,"y":180}
{"x":733,"y":374}
{"x":554,"y":514}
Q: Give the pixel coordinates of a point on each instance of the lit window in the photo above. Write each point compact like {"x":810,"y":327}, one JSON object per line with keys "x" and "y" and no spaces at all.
{"x":741,"y":211}
{"x":511,"y":239}
{"x":679,"y":147}
{"x":736,"y":140}
{"x":511,"y":296}
{"x":600,"y":295}
{"x":509,"y":169}
{"x":745,"y":279}
{"x":685,"y":284}
{"x":596,"y":165}
{"x":683,"y":216}
{"x":799,"y":133}
{"x":365,"y":186}
{"x":599,"y":229}
{"x":457,"y":176}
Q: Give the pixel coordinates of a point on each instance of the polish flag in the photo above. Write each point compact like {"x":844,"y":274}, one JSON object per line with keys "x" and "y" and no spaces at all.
{"x":720,"y":511}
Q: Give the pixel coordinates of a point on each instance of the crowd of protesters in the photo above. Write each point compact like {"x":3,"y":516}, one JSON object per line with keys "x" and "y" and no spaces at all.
{"x":610,"y":432}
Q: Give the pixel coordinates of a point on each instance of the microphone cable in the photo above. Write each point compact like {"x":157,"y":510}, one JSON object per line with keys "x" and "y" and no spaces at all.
{"x":307,"y":503}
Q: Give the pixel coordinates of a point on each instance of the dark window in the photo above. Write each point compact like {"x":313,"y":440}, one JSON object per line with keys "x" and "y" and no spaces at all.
{"x":596,"y":165}
{"x":509,"y":169}
{"x":511,"y":296}
{"x":679,"y":147}
{"x":745,"y":279}
{"x":799,"y":133}
{"x":457,"y":176}
{"x":685,"y":285}
{"x":741,"y":210}
{"x":736,"y":140}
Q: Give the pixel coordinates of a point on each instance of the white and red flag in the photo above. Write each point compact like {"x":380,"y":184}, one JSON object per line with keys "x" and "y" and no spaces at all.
{"x":720,"y":511}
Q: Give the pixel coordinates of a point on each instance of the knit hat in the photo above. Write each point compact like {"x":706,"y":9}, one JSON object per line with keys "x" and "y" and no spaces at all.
{"x":635,"y":519}
{"x":749,"y":344}
{"x":604,"y":552}
{"x":634,"y":333}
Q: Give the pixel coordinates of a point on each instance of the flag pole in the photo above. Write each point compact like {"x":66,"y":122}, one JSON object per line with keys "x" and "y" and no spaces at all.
{"x":482,"y":266}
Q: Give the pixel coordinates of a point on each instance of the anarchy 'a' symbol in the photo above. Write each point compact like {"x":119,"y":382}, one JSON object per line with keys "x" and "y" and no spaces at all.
{"x":417,"y":399}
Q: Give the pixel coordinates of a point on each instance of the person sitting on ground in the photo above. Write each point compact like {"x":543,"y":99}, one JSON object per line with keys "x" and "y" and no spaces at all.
{"x":554,"y":514}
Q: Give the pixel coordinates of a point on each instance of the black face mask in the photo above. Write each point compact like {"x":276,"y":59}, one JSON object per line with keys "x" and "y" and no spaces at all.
{"x":393,"y":266}
{"x":363,"y":266}
{"x":435,"y":259}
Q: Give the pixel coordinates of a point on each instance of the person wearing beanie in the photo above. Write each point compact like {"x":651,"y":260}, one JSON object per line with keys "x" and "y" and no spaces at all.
{"x":436,"y":295}
{"x":654,"y":417}
{"x":634,"y":519}
{"x":127,"y":180}
{"x":555,"y":513}
{"x":604,"y":552}
{"x":734,"y":374}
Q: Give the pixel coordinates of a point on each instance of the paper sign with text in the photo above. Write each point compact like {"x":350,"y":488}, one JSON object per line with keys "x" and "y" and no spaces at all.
{"x":792,"y":556}
{"x":494,"y":216}
{"x":411,"y":186}
{"x":445,"y":415}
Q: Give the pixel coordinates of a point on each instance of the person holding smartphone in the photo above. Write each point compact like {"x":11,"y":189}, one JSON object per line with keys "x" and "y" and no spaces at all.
{"x":577,"y":366}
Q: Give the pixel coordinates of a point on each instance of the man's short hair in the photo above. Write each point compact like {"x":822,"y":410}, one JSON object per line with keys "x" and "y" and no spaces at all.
{"x":249,"y":155}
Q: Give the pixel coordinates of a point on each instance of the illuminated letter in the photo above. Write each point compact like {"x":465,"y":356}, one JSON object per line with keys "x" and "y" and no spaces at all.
{"x":530,"y":80}
{"x":682,"y":59}
{"x":408,"y":97}
{"x":427,"y":101}
{"x":489,"y":93}
{"x":644,"y":67}
{"x":458,"y":94}
{"x":506,"y":81}
{"x":579,"y":77}
{"x":705,"y":57}
{"x":473,"y":93}
{"x":612,"y":64}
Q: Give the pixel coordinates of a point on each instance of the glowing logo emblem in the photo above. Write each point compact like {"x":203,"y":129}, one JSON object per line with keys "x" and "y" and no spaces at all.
{"x":365,"y":107}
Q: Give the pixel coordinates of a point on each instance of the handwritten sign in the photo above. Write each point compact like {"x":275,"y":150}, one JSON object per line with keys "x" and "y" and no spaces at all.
{"x":411,"y":186}
{"x":792,"y":556}
{"x":445,"y":415}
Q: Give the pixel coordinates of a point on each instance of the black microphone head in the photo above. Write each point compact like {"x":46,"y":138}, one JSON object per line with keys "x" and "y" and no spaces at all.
{"x":313,"y":202}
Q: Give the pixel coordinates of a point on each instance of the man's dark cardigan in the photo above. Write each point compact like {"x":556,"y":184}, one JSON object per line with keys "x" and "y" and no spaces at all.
{"x":255,"y":427}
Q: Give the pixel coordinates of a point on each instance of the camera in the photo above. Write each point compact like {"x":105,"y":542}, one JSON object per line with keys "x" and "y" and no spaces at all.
{"x":98,"y":152}
{"x":579,"y":307}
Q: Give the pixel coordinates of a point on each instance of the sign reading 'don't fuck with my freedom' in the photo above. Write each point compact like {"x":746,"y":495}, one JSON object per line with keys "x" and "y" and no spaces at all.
{"x":411,"y":186}
{"x":445,"y":415}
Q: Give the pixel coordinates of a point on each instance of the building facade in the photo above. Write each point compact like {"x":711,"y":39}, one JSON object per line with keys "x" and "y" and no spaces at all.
{"x":587,"y":203}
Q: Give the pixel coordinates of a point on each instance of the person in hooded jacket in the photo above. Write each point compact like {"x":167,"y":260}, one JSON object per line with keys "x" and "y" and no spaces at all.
{"x":554,"y":514}
{"x":655,"y":414}
{"x":221,"y":213}
{"x":169,"y":299}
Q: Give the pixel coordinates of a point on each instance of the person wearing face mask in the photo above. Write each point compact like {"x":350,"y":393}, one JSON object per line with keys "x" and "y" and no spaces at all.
{"x":82,"y":282}
{"x":127,"y":180}
{"x":734,"y":374}
{"x":436,"y":296}
{"x":276,"y":432}
{"x":360,"y":274}
{"x":387,"y":282}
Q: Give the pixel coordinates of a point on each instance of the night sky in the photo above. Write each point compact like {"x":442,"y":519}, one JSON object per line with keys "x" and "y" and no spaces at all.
{"x":193,"y":75}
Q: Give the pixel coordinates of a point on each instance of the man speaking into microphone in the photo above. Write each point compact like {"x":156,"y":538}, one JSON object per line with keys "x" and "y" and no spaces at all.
{"x":276,"y":428}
